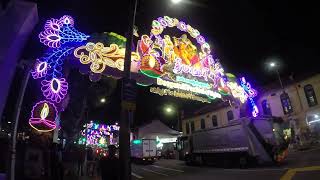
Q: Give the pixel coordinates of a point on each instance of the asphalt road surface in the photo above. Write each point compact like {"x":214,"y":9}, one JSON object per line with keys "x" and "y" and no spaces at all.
{"x":304,"y":165}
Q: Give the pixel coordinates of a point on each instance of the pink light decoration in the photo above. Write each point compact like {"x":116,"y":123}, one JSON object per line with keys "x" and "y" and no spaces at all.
{"x":67,"y":20}
{"x":53,"y":24}
{"x":41,"y":69}
{"x":50,"y":38}
{"x":55,"y":89}
{"x":60,"y":31}
{"x":43,"y":116}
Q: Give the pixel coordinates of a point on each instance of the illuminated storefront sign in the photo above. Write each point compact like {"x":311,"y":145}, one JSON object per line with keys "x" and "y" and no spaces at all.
{"x":185,"y":95}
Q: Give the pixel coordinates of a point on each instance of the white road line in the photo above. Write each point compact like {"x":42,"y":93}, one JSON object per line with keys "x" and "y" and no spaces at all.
{"x":154,"y":172}
{"x":167,"y":168}
{"x":136,"y":175}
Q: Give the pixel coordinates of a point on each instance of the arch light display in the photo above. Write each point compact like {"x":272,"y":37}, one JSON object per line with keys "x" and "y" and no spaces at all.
{"x":183,"y":65}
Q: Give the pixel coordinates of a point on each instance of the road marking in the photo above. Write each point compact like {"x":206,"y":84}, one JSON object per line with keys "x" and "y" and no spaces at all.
{"x":248,"y":170}
{"x":136,"y":175}
{"x":291,"y":172}
{"x":154,"y":172}
{"x":167,"y":168}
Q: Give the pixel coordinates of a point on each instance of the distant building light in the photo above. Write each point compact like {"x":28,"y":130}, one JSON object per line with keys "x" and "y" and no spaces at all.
{"x":9,"y":122}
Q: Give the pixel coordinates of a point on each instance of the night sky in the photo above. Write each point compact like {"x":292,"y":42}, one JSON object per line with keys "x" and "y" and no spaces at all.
{"x":245,"y":35}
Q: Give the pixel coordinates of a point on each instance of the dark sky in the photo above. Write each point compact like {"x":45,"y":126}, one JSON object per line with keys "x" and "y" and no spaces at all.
{"x":243,"y":34}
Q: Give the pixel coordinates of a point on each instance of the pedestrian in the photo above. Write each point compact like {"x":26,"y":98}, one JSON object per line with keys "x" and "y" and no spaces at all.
{"x":109,"y":165}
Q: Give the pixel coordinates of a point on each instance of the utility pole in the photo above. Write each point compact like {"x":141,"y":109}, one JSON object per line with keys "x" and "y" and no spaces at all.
{"x":27,"y":67}
{"x":127,"y":100}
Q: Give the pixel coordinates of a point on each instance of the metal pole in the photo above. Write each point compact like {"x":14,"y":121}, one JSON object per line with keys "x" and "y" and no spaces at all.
{"x":16,"y":122}
{"x":124,"y":139}
{"x":278,"y":74}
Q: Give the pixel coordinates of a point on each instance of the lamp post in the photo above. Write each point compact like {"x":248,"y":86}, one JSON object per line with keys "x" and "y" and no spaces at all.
{"x":127,"y":115}
{"x":170,"y":110}
{"x":274,"y":65}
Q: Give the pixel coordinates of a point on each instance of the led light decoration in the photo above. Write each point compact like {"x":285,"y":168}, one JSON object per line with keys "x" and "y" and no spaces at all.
{"x":43,"y":116}
{"x":98,"y":135}
{"x":60,"y":31}
{"x":185,"y":95}
{"x":186,"y":87}
{"x":193,"y":82}
{"x":100,"y":57}
{"x":237,"y":91}
{"x":55,"y":59}
{"x":55,"y":89}
{"x":178,"y":59}
{"x":250,"y":93}
{"x":40,"y":70}
{"x":177,"y":51}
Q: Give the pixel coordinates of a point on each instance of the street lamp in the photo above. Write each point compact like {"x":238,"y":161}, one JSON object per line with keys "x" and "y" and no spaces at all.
{"x":175,"y":1}
{"x":275,"y":66}
{"x":103,"y":100}
{"x":168,"y":109}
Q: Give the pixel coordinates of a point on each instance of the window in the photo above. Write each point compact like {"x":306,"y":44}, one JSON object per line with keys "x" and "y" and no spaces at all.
{"x":266,"y":107}
{"x":192,"y":126}
{"x":230,"y":115}
{"x":214,"y":121}
{"x":187,"y":128}
{"x":203,"y":124}
{"x":310,"y":95}
{"x":286,"y":103}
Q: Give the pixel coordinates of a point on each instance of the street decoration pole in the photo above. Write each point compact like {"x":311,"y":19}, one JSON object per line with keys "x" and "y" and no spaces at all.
{"x":126,"y":114}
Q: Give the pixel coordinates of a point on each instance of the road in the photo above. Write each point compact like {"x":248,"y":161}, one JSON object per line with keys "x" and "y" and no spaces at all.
{"x":303,"y":165}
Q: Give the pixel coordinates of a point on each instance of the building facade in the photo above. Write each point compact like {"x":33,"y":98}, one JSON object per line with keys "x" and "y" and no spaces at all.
{"x":215,"y":118}
{"x":297,"y":104}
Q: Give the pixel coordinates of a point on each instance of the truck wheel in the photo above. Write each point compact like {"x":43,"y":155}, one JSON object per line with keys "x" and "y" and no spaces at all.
{"x":243,"y":161}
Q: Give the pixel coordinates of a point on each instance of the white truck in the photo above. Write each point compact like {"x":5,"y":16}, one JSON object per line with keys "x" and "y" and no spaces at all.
{"x":245,"y":140}
{"x":144,"y":150}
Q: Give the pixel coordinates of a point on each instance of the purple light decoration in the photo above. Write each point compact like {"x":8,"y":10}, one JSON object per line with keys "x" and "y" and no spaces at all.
{"x":41,"y":69}
{"x":60,"y":31}
{"x":43,"y":121}
{"x":50,"y":38}
{"x":251,"y":93}
{"x":55,"y":89}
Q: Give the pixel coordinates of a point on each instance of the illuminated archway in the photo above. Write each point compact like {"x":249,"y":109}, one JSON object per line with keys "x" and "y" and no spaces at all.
{"x":177,"y":66}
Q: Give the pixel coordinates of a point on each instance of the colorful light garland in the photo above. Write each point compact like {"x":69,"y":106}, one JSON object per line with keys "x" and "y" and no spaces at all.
{"x":98,"y":134}
{"x":43,"y":116}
